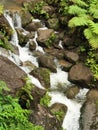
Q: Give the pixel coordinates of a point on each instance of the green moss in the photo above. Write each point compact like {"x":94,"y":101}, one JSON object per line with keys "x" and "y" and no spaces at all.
{"x":51,"y":40}
{"x":45,"y":101}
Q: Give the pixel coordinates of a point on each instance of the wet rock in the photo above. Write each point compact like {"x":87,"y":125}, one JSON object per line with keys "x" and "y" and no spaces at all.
{"x":37,"y":53}
{"x":42,"y":116}
{"x":59,"y":54}
{"x":32,"y":45}
{"x":71,"y":56}
{"x":26,"y":17}
{"x":53,"y":23}
{"x":43,"y":75}
{"x":89,"y":116}
{"x":65,"y":65}
{"x":72,"y":92}
{"x":5,"y":26}
{"x":59,"y":110}
{"x":33,"y":26}
{"x":29,"y":65}
{"x":23,"y":37}
{"x":36,"y":93}
{"x":11,"y":74}
{"x":4,"y":52}
{"x":80,"y":75}
{"x":92,"y":95}
{"x":44,"y":36}
{"x":47,"y":61}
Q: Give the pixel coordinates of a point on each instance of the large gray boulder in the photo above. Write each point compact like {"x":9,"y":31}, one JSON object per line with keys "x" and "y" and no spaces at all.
{"x":11,"y":74}
{"x":80,"y":75}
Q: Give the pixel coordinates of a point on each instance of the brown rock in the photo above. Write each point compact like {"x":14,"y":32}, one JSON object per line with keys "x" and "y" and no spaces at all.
{"x":11,"y":74}
{"x":81,"y":75}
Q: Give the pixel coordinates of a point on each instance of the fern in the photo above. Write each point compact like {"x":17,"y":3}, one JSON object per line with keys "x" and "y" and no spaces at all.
{"x":91,"y":37}
{"x":79,"y":2}
{"x":93,"y":26}
{"x":93,"y":10}
{"x":78,"y":21}
{"x":76,"y":10}
{"x":12,"y":116}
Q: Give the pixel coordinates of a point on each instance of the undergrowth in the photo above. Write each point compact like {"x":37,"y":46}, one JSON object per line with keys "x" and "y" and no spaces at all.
{"x":12,"y":116}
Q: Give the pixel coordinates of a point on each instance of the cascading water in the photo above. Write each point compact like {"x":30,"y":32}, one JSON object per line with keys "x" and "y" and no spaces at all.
{"x":71,"y":120}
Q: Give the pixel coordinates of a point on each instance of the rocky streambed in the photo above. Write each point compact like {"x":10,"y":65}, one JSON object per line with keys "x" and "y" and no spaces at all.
{"x":42,"y":53}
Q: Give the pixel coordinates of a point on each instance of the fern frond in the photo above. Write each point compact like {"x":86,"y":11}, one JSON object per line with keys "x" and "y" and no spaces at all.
{"x":94,"y":41}
{"x":78,"y":21}
{"x":88,"y":33}
{"x":91,"y":37}
{"x":93,"y":10}
{"x":93,"y":26}
{"x":76,"y":10}
{"x":80,"y":3}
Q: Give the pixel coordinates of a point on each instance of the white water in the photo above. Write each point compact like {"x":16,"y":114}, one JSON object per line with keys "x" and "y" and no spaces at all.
{"x":71,"y":120}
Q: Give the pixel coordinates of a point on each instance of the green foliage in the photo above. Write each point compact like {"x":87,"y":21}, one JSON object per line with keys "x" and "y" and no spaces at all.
{"x":45,"y":101}
{"x":92,"y":62}
{"x":12,"y":116}
{"x":59,"y":114}
{"x":4,"y":42}
{"x":51,"y":39}
{"x":38,"y":9}
{"x":84,"y":15}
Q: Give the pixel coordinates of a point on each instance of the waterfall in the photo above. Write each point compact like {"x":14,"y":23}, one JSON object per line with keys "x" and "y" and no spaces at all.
{"x":71,"y":120}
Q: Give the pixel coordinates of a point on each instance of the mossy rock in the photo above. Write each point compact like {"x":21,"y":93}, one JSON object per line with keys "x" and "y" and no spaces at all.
{"x":43,"y":75}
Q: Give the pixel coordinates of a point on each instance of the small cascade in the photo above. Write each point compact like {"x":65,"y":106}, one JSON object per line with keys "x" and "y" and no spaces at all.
{"x":59,"y":81}
{"x":71,"y":120}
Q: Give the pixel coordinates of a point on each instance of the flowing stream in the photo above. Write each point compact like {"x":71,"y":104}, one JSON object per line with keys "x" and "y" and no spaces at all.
{"x":71,"y":120}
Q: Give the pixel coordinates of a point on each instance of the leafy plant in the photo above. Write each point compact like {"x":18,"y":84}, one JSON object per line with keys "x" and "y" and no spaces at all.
{"x":38,"y":9}
{"x":12,"y":116}
{"x":45,"y":101}
{"x":59,"y":114}
{"x":92,"y":63}
{"x":51,"y":39}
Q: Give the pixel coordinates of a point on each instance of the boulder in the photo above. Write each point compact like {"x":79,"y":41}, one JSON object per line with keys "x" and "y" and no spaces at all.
{"x":32,"y":45}
{"x":5,"y":26}
{"x":47,"y":61}
{"x":43,"y":75}
{"x":72,"y":92}
{"x":59,"y":110}
{"x":89,"y":116}
{"x":80,"y":75}
{"x":59,"y":54}
{"x":33,"y":26}
{"x":26,"y":17}
{"x":65,"y":65}
{"x":89,"y":111}
{"x":53,"y":23}
{"x":23,"y":37}
{"x":71,"y":56}
{"x":11,"y":74}
{"x":44,"y":36}
{"x":42,"y":116}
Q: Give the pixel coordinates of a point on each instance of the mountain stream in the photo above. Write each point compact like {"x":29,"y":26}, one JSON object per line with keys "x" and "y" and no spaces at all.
{"x":71,"y":120}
